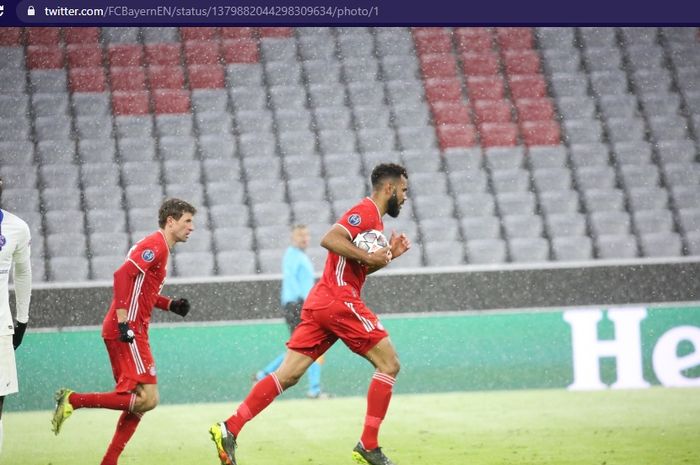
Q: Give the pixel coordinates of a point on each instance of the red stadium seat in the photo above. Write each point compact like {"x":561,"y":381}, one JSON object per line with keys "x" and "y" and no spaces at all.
{"x":527,"y":86}
{"x":492,"y":111}
{"x":443,"y":89}
{"x":202,"y":52}
{"x":456,"y":135}
{"x":87,"y":80}
{"x":541,"y":132}
{"x":10,"y":36}
{"x":498,"y":134}
{"x":521,"y":61}
{"x":84,"y":55}
{"x":438,"y":65}
{"x":276,"y":32}
{"x":514,"y":38}
{"x":171,"y":101}
{"x":474,"y":39}
{"x":166,"y":77}
{"x":240,"y":51}
{"x":237,"y":32}
{"x":198,"y":33}
{"x":206,"y":76}
{"x":432,"y":40}
{"x":130,"y":103}
{"x":125,"y":55}
{"x":163,"y":54}
{"x":43,"y":35}
{"x":44,"y":57}
{"x":485,"y":87}
{"x":81,"y":35}
{"x":480,"y":64}
{"x":127,"y":78}
{"x":450,"y":113}
{"x":534,"y":109}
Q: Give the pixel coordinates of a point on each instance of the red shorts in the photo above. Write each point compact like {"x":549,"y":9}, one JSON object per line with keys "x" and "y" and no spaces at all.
{"x":351,"y":321}
{"x":132,"y":364}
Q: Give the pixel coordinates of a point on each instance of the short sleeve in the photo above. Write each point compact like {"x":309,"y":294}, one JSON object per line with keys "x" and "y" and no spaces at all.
{"x":144,"y":255}
{"x":360,"y":218}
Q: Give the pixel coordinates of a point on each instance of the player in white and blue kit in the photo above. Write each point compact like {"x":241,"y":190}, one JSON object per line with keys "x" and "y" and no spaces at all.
{"x":15,"y":242}
{"x":297,"y":281}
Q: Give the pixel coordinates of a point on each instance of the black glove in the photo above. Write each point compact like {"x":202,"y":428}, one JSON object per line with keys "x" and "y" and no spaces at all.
{"x":180,"y":306}
{"x":20,"y":328}
{"x":126,"y":334}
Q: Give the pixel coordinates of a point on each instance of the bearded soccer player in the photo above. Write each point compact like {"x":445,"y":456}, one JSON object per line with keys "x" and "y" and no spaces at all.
{"x":137,"y":285}
{"x":334,"y":310}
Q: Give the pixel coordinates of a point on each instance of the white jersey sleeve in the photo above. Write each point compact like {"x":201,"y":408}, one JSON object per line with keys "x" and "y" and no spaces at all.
{"x":15,"y":252}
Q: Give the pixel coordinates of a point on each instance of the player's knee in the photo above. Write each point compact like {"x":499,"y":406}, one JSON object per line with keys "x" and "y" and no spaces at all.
{"x":390,"y":367}
{"x":287,"y":381}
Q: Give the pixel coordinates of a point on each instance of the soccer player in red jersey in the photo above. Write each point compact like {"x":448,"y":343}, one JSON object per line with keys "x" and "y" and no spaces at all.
{"x":334,"y":310}
{"x":137,"y":285}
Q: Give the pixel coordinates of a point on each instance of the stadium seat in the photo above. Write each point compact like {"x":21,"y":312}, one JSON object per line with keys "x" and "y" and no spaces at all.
{"x":514,"y":38}
{"x":572,"y":248}
{"x":87,"y":80}
{"x":527,"y":86}
{"x":437,"y":65}
{"x":432,"y":40}
{"x":616,"y":246}
{"x":486,"y":251}
{"x":83,"y":55}
{"x":492,"y":111}
{"x":198,"y":33}
{"x":125,"y":55}
{"x":103,"y":267}
{"x":45,"y":57}
{"x":521,"y":62}
{"x":540,"y":133}
{"x":171,"y":101}
{"x":473,"y":39}
{"x":480,"y":64}
{"x":498,"y":134}
{"x":201,"y":52}
{"x":443,"y":89}
{"x":540,"y":109}
{"x":565,"y":224}
{"x":528,"y":249}
{"x":456,"y":135}
{"x":130,"y":78}
{"x":130,"y":103}
{"x":485,"y":88}
{"x":162,"y":54}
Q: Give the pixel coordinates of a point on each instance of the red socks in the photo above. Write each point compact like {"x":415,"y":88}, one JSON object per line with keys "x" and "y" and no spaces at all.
{"x":108,"y":400}
{"x":125,"y":429}
{"x":378,"y":398}
{"x":262,"y":395}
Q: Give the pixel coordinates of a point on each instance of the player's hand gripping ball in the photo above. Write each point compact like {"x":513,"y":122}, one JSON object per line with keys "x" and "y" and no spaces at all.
{"x":370,"y":241}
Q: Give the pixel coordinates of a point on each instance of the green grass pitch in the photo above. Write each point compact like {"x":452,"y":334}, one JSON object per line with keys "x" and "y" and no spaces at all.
{"x":549,"y":427}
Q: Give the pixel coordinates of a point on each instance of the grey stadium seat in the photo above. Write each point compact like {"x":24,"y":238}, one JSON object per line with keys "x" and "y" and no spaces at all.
{"x":603,"y":199}
{"x":96,"y":150}
{"x":342,"y":164}
{"x":21,"y":199}
{"x":632,"y":153}
{"x":236,"y":262}
{"x":661,"y":245}
{"x":229,"y":215}
{"x":71,"y":245}
{"x":440,"y":229}
{"x":271,"y":213}
{"x":528,"y":249}
{"x":616,"y":246}
{"x":17,"y":152}
{"x":222,"y":193}
{"x":60,"y":198}
{"x":595,"y":177}
{"x":459,"y":159}
{"x":475,"y":204}
{"x":91,"y":103}
{"x":194,"y":264}
{"x":177,"y":148}
{"x":199,"y":241}
{"x":173,"y":125}
{"x":52,"y":127}
{"x":244,"y":74}
{"x":136,"y":149}
{"x":503,"y":158}
{"x":516,"y":203}
{"x":466,"y":181}
{"x":270,"y":260}
{"x":346,"y":187}
{"x":109,"y":244}
{"x":182,"y":171}
{"x":332,"y":117}
{"x":685,"y":196}
{"x":263,"y":190}
{"x":94,"y":126}
{"x":234,"y":238}
{"x":444,"y":253}
{"x":103,"y":267}
{"x":547,"y":157}
{"x":69,"y":269}
{"x":589,"y":154}
{"x":522,"y":226}
{"x":307,"y":212}
{"x":64,"y":221}
{"x":140,"y":173}
{"x":646,"y":176}
{"x":552,"y":179}
{"x":609,"y":223}
{"x":653,"y":221}
{"x":105,"y":220}
{"x":134,"y":125}
{"x":582,"y":131}
{"x":565,"y":224}
{"x":103,"y":197}
{"x":647,"y":198}
{"x":618,"y":106}
{"x":50,"y":104}
{"x":56,"y":151}
{"x":481,"y":227}
{"x":576,"y":107}
{"x":486,"y":251}
{"x":217,"y":147}
{"x":512,"y":180}
{"x":272,"y":237}
{"x":432,"y":206}
{"x":144,"y":196}
{"x":58,"y":175}
{"x":572,"y":248}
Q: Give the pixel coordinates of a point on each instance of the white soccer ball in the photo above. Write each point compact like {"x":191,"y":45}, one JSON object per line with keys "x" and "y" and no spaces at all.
{"x":370,"y":240}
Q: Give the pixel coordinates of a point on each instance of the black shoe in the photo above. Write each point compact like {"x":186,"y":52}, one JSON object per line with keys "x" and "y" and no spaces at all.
{"x":370,"y":457}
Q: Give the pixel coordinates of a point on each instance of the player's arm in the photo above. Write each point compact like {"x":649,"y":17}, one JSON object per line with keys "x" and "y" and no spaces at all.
{"x":338,"y":240}
{"x":399,"y":244}
{"x":22,"y":277}
{"x":124,"y":282}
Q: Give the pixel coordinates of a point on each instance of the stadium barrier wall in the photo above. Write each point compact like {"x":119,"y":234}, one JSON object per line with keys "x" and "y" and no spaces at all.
{"x":574,"y":348}
{"x":421,"y":290}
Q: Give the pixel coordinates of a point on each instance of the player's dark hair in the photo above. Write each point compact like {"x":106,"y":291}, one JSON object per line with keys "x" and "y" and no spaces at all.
{"x":385,"y":171}
{"x":174,"y":208}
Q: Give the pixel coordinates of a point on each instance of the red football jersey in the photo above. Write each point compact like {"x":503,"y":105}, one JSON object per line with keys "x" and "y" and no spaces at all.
{"x":150,"y":255}
{"x":343,"y":277}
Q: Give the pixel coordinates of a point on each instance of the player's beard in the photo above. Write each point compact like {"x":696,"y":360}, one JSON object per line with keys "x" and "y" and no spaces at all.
{"x":393,"y":206}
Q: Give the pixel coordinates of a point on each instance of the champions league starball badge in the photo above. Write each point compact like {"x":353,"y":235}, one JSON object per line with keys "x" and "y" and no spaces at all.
{"x":3,"y":241}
